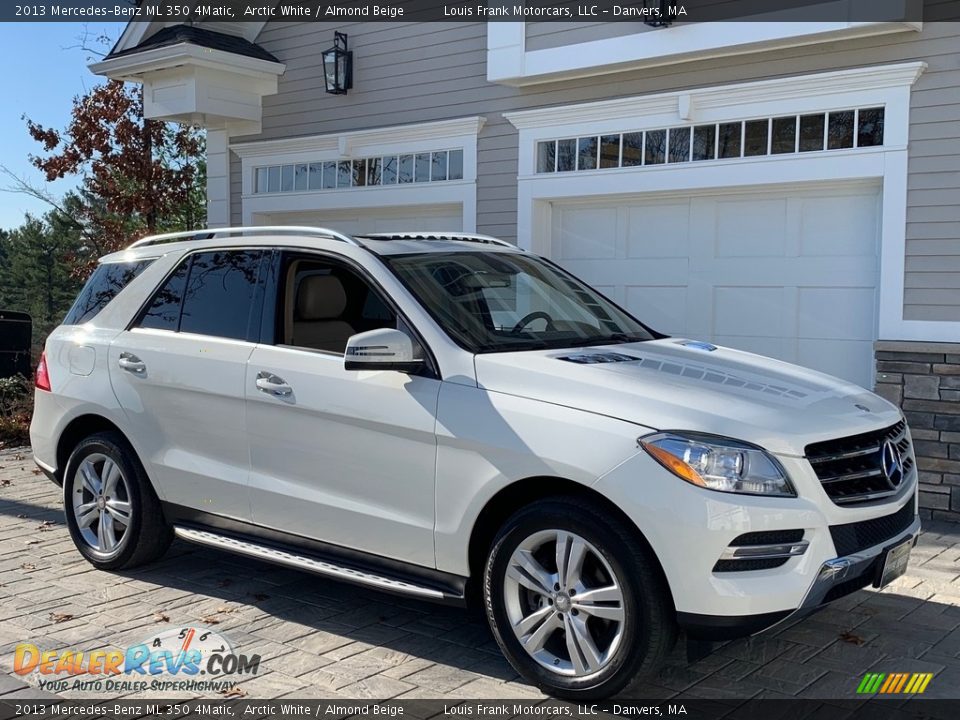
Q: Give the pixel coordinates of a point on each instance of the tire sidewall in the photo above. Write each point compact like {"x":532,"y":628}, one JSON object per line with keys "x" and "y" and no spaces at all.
{"x":635,"y":641}
{"x":107,"y":446}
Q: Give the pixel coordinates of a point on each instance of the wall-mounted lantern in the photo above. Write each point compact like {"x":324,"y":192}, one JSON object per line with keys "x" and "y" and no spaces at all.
{"x":338,"y":66}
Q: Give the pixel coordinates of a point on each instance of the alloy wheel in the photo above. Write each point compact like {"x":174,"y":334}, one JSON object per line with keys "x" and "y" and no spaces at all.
{"x":564,"y":602}
{"x":101,"y":503}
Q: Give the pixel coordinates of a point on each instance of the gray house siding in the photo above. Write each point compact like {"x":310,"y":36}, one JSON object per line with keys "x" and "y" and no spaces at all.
{"x":411,"y":73}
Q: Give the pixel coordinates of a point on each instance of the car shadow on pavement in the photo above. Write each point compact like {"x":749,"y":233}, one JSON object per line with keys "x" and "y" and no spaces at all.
{"x":289,"y":616}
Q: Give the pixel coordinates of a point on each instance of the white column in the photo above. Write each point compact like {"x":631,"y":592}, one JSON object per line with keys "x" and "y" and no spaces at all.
{"x":218,"y":178}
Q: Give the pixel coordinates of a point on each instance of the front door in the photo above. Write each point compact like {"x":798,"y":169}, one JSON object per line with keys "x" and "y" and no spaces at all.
{"x":347,"y":458}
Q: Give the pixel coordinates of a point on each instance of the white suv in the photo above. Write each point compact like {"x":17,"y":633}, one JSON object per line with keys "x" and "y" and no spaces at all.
{"x":447,"y":416}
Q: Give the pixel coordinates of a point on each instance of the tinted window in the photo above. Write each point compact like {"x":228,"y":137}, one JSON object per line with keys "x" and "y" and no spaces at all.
{"x":219,"y":295}
{"x":104,"y":285}
{"x":163,"y":312}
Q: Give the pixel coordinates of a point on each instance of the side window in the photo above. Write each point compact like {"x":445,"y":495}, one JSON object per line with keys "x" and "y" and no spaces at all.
{"x":210,"y":293}
{"x":220,"y":291}
{"x":104,"y":285}
{"x":163,"y":312}
{"x":323,"y":304}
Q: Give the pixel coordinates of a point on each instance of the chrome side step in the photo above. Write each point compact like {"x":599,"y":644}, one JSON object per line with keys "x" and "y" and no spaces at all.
{"x":309,"y":564}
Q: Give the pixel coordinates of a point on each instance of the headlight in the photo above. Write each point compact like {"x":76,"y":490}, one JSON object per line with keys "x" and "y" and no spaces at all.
{"x":718,"y":463}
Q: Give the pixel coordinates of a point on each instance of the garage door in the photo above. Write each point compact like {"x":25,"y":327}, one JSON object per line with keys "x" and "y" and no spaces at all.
{"x":789,"y":273}
{"x":389,"y":219}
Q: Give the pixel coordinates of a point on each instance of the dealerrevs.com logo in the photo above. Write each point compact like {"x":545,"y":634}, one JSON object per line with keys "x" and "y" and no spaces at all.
{"x":192,"y":658}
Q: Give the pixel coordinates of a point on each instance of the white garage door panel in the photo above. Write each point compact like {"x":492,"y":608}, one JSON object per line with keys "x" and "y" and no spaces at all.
{"x":789,"y":272}
{"x":388,"y":219}
{"x":747,"y":228}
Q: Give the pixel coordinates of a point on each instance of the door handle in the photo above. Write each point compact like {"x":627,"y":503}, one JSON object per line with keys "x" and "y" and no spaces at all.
{"x":131,"y":363}
{"x":272,"y":385}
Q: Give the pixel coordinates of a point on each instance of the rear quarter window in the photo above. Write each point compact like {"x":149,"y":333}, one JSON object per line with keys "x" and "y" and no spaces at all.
{"x":104,"y":285}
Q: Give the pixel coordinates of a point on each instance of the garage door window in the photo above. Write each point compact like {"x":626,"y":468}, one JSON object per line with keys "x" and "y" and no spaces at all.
{"x":817,"y":132}
{"x":436,"y":166}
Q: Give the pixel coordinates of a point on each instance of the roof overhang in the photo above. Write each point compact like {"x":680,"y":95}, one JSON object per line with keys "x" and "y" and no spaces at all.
{"x":195,"y":85}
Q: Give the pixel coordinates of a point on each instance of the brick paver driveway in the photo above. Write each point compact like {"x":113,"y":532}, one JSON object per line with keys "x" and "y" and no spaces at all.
{"x":320,"y":638}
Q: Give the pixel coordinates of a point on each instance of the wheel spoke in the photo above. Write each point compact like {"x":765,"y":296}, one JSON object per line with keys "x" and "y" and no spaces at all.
{"x":583,"y":652}
{"x":531,"y":621}
{"x":603,"y":602}
{"x":110,"y":474}
{"x":609,"y":593}
{"x":105,"y":535}
{"x":86,"y":514}
{"x":120,"y":510}
{"x":538,"y":638}
{"x":575,"y":550}
{"x":525,"y":569}
{"x":90,"y":479}
{"x":606,"y":612}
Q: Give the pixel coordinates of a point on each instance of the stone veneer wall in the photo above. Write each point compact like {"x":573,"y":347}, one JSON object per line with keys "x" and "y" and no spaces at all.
{"x":923,"y":378}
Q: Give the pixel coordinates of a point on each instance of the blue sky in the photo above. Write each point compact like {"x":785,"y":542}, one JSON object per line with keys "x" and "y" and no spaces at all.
{"x":42,"y":73}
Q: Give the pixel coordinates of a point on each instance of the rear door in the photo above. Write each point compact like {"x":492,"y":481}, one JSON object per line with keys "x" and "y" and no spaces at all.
{"x":178,"y":373}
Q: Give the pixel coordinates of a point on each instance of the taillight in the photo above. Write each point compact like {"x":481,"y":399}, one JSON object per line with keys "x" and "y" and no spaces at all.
{"x":42,"y":378}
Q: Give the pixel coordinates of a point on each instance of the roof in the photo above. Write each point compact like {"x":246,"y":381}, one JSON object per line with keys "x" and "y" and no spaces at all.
{"x":177,"y":34}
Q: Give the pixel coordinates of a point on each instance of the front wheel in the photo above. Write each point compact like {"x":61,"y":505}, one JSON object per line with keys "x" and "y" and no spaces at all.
{"x":575,"y":600}
{"x":113,"y":514}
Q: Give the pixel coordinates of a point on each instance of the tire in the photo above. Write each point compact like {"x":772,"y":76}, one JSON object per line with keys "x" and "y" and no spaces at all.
{"x":126,"y":510}
{"x":609,"y":653}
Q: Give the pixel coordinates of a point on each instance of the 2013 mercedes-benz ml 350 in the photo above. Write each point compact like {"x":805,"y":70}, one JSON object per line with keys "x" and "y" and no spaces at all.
{"x":447,"y":416}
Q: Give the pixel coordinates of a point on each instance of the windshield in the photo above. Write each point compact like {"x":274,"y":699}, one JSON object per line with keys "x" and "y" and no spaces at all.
{"x":499,"y":302}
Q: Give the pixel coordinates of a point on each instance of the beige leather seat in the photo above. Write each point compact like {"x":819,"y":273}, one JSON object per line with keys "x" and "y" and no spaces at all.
{"x":321,"y":301}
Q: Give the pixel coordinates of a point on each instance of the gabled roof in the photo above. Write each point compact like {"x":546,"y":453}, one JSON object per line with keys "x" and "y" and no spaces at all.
{"x":177,"y":34}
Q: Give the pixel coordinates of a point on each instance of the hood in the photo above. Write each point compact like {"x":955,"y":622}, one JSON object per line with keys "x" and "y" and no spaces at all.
{"x":678,"y":384}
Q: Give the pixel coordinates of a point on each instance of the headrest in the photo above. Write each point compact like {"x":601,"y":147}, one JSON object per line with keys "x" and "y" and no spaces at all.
{"x":320,"y":297}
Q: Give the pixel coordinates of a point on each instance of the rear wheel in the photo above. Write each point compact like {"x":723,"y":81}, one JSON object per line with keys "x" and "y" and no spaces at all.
{"x":113,"y":514}
{"x":576,"y":603}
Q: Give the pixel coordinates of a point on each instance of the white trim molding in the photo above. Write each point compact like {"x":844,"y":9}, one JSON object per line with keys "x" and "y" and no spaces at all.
{"x":509,"y":62}
{"x":888,"y":86}
{"x":401,"y":139}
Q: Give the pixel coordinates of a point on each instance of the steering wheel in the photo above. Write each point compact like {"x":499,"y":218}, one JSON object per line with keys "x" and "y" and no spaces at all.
{"x":529,"y":318}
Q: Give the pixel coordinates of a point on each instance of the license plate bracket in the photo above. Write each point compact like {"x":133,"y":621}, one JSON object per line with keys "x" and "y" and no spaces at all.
{"x":896,"y":558}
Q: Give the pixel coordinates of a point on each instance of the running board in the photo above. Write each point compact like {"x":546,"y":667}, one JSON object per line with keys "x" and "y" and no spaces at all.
{"x":309,"y":564}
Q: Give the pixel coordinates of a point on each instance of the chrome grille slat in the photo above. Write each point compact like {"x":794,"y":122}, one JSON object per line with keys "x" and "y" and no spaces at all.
{"x":851,"y":476}
{"x":845,"y":456}
{"x":850,"y":468}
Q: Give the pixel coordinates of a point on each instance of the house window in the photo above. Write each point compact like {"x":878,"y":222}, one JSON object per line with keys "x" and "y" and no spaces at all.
{"x":816,"y":132}
{"x":424,"y":167}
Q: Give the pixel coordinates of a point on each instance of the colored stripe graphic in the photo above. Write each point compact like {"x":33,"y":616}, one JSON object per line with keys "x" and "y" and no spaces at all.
{"x":891,"y":681}
{"x":870,"y":683}
{"x":894,"y":683}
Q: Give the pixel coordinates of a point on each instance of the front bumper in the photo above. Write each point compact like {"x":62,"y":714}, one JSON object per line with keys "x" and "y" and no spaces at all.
{"x":835,"y":579}
{"x":694,"y":532}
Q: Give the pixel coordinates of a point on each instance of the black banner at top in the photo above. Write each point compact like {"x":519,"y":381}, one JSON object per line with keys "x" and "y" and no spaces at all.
{"x":652,"y":12}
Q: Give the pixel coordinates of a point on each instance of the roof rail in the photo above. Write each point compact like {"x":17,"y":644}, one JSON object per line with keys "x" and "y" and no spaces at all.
{"x":210,"y":233}
{"x":457,"y":236}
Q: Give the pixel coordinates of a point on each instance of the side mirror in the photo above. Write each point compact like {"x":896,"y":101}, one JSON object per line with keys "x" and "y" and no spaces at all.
{"x":382,"y":349}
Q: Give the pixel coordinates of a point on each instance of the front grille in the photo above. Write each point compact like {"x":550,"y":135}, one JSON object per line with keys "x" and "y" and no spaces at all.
{"x":850,"y":469}
{"x":854,"y":537}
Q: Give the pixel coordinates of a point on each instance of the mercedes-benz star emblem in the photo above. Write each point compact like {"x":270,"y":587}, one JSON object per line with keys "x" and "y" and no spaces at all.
{"x":892,"y":464}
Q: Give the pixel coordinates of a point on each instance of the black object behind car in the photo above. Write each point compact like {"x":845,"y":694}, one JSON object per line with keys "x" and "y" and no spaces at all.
{"x":16,"y":329}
